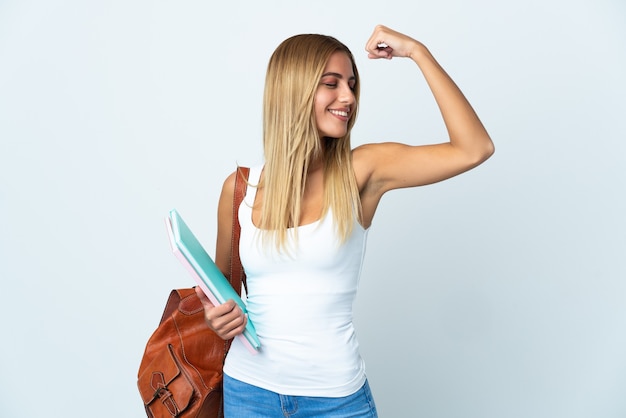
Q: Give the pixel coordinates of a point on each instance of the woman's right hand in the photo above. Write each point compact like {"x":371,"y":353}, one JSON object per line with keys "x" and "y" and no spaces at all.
{"x":226,"y":320}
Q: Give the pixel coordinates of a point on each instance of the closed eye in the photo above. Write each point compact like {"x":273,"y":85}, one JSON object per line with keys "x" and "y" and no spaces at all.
{"x":330,"y":80}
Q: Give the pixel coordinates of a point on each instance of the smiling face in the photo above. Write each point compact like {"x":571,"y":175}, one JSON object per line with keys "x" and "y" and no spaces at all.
{"x":335,"y":98}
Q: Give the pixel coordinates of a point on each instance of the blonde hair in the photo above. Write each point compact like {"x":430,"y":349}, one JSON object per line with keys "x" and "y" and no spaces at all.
{"x":291,"y":140}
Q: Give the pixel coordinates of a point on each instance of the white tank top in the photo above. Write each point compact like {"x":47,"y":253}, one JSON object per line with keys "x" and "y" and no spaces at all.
{"x":301,"y":307}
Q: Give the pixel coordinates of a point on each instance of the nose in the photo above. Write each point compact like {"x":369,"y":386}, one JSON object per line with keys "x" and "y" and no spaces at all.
{"x":346,"y":95}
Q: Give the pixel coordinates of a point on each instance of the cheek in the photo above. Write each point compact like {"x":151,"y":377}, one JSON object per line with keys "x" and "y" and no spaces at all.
{"x":319,"y":105}
{"x":323,"y":98}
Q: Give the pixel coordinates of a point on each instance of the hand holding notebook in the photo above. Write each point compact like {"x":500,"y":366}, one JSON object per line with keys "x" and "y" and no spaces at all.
{"x":207,"y":275}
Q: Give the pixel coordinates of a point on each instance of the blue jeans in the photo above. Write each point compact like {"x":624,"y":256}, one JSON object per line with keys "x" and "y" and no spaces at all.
{"x":242,"y":400}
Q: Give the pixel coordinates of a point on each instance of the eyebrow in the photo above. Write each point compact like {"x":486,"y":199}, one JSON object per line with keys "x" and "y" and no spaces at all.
{"x":338,"y":76}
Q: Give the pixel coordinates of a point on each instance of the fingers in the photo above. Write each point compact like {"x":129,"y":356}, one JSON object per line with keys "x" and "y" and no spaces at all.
{"x":206,"y":302}
{"x":387,"y":43}
{"x":377,"y":45}
{"x":380,"y":52}
{"x":226,"y":320}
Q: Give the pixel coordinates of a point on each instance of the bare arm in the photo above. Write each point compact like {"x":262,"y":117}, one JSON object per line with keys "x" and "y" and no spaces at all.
{"x":386,"y":166}
{"x":227,"y":319}
{"x":224,"y":225}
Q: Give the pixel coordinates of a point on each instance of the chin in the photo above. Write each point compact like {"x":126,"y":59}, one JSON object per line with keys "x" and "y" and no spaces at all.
{"x":331,"y":135}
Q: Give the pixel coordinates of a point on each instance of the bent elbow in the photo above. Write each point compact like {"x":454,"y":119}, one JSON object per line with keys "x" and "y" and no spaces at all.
{"x":485,"y":152}
{"x":490,"y":149}
{"x":478,"y":155}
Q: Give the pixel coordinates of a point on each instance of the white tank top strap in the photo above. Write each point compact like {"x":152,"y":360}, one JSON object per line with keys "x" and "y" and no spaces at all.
{"x":245,"y":210}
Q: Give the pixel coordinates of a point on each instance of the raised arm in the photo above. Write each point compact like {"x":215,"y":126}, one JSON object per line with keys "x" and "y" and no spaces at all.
{"x":386,"y":166}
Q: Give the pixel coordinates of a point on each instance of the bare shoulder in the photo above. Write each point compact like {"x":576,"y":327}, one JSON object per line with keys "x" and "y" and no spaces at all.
{"x":227,"y":194}
{"x":224,"y":223}
{"x":363,"y":162}
{"x":229,"y":182}
{"x":367,"y":160}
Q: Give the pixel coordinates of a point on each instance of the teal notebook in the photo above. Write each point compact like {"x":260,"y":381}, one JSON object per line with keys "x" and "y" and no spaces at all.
{"x":208,"y":276}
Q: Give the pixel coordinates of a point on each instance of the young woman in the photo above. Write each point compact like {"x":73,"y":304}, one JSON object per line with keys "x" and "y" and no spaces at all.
{"x":305,"y":219}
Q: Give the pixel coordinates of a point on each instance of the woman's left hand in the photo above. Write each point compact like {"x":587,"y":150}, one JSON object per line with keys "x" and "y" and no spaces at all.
{"x":387,"y":43}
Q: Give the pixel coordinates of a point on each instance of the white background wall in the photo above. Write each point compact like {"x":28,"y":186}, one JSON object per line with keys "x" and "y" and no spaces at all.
{"x":499,"y":293}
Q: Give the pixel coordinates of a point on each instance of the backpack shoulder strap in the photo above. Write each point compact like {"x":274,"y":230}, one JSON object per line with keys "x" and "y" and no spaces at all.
{"x":237,"y":275}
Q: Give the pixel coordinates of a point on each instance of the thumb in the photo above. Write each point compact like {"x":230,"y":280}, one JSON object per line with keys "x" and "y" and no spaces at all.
{"x":206,"y":302}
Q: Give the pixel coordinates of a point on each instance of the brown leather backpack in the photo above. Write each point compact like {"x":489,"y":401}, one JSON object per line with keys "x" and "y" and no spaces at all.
{"x":181,"y":370}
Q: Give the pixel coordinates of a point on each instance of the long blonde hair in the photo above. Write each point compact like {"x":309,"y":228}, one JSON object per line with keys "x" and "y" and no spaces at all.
{"x":291,"y":140}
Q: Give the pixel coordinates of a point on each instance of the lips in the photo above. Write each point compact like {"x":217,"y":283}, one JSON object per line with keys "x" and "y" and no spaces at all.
{"x":343,"y":114}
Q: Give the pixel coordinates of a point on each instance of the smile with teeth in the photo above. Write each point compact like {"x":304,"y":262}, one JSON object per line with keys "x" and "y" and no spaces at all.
{"x":342,"y":113}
